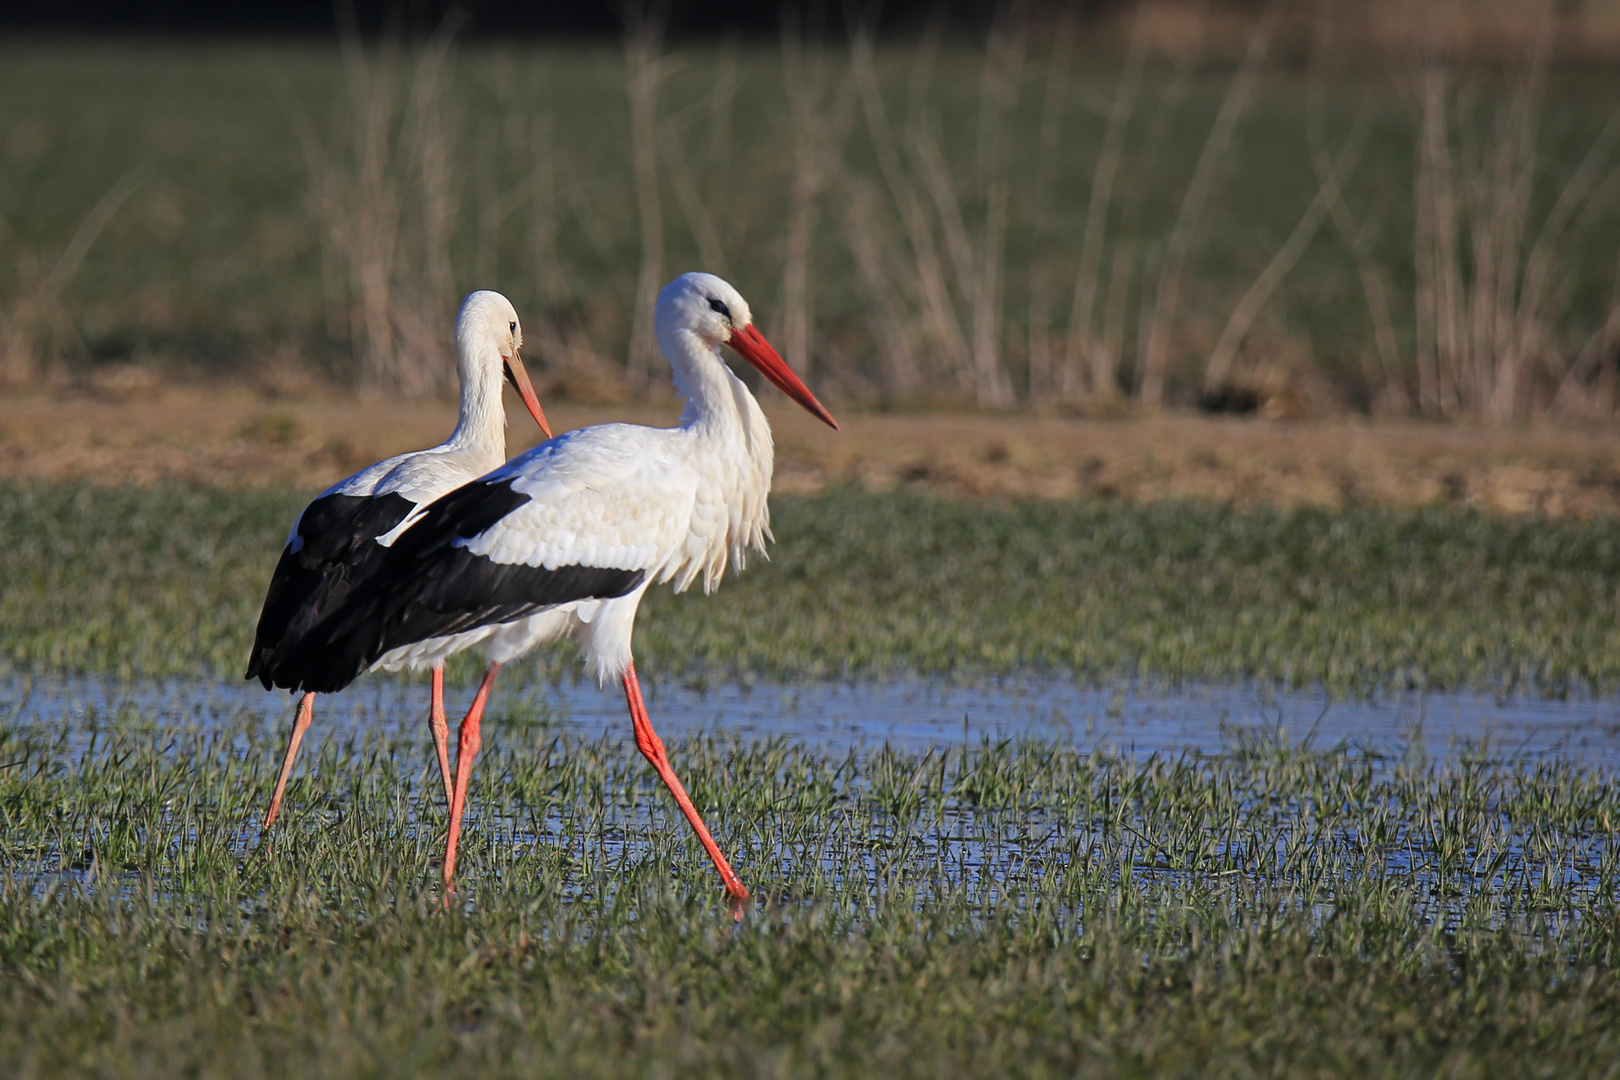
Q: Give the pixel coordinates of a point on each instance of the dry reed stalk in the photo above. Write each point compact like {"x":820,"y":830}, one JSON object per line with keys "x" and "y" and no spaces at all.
{"x":40,"y":302}
{"x":1502,"y":191}
{"x":433,"y":123}
{"x":1043,"y":364}
{"x":971,"y":269}
{"x":1167,"y":299}
{"x":699,"y":221}
{"x":1219,"y":366}
{"x":496,"y":207}
{"x":362,"y":210}
{"x":1132,"y":254}
{"x":977,"y":265}
{"x":1432,"y":141}
{"x":486,"y":256}
{"x":387,"y":204}
{"x":938,"y":325}
{"x":1488,"y":296}
{"x":880,"y":268}
{"x":1104,"y":364}
{"x":722,"y":101}
{"x":1575,"y":392}
{"x":501,"y":135}
{"x":820,"y":110}
{"x":551,"y":282}
{"x":643,"y":68}
{"x":323,"y":190}
{"x":998,"y":95}
{"x":1536,"y":305}
{"x":1112,"y":347}
{"x":1375,"y":285}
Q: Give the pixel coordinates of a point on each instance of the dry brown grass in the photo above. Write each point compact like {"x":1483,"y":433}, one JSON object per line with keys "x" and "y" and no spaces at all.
{"x":237,"y":437}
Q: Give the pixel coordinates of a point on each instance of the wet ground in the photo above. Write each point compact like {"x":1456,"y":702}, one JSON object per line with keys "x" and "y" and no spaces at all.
{"x":1135,"y":720}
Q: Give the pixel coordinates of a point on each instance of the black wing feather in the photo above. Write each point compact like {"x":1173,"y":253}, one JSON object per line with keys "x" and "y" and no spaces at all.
{"x":339,"y":548}
{"x":426,"y":587}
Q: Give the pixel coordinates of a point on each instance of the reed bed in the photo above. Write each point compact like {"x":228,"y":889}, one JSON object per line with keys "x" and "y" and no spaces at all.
{"x":1069,"y":212}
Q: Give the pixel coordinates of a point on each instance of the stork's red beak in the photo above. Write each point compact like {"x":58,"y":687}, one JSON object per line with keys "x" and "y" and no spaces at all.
{"x":519,"y":378}
{"x":752,"y":346}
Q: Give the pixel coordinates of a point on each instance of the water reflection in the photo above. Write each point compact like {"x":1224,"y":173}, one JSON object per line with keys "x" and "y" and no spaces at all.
{"x":908,"y":713}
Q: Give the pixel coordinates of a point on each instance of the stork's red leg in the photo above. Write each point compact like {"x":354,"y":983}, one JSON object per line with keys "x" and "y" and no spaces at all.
{"x":468,"y":743}
{"x":441,"y":734}
{"x":306,"y":712}
{"x":652,"y":748}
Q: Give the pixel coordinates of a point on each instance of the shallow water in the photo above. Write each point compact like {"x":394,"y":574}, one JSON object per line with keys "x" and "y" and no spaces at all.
{"x":1557,"y":866}
{"x":909,"y":713}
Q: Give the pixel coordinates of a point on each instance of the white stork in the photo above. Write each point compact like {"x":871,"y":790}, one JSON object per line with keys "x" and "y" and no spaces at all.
{"x":338,"y":538}
{"x":565,"y":539}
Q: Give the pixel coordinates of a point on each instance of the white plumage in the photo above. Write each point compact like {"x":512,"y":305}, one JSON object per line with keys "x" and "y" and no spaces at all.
{"x":336,"y":540}
{"x":565,"y":539}
{"x":489,"y":344}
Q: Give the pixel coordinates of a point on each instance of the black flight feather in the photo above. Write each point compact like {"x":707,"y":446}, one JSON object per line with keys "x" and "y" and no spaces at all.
{"x":339,"y":548}
{"x":426,"y":586}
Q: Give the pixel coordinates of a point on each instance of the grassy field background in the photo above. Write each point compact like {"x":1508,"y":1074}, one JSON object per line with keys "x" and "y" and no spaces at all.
{"x":168,"y":581}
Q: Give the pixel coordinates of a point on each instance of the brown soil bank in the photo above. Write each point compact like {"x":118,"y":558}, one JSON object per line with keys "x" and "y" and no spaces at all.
{"x":235,"y":437}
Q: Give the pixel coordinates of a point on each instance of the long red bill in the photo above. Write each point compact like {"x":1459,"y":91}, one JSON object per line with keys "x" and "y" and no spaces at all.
{"x":752,"y":346}
{"x":519,"y":378}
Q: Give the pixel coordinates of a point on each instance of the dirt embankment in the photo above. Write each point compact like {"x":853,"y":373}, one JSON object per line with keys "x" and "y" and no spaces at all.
{"x":237,"y":437}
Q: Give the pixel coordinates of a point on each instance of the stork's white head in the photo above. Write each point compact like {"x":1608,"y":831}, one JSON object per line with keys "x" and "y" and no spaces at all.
{"x":710,"y":309}
{"x":487,"y":328}
{"x":705,"y":305}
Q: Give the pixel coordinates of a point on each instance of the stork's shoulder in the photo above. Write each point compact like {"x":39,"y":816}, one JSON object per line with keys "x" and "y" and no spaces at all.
{"x":334,"y":507}
{"x":613,"y":495}
{"x":366,"y":481}
{"x":600,"y":456}
{"x":424,"y":476}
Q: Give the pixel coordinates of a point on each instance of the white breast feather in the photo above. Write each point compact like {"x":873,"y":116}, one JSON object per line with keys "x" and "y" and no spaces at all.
{"x":621,"y":496}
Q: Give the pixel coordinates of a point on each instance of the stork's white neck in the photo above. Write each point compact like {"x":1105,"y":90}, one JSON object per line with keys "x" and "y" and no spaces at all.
{"x":717,"y":401}
{"x":481,"y":426}
{"x":730,"y":444}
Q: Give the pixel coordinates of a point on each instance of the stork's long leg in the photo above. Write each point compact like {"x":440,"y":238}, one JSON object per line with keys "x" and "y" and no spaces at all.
{"x":306,"y":712}
{"x":652,"y":748}
{"x":441,"y":734}
{"x":467,"y":746}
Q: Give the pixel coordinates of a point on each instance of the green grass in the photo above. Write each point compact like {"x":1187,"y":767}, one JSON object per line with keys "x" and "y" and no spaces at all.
{"x":168,"y":581}
{"x":1022,"y":909}
{"x":1028,"y":908}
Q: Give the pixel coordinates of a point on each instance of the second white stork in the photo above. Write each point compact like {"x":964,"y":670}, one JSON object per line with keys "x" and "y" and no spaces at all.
{"x":565,"y":539}
{"x":338,"y":538}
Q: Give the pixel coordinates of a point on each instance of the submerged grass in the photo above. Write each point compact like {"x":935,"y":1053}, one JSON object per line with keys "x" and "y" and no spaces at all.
{"x":168,"y":581}
{"x":1011,"y":908}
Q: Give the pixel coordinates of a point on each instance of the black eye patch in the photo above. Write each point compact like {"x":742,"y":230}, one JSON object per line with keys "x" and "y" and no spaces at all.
{"x":719,"y":306}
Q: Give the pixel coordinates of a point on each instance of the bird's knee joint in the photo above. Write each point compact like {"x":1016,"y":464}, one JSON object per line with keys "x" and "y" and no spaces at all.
{"x":651,"y":746}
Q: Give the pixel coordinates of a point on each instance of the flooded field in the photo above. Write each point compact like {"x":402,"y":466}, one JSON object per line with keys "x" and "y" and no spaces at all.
{"x":1113,"y":868}
{"x":913,"y":715}
{"x":1175,"y":862}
